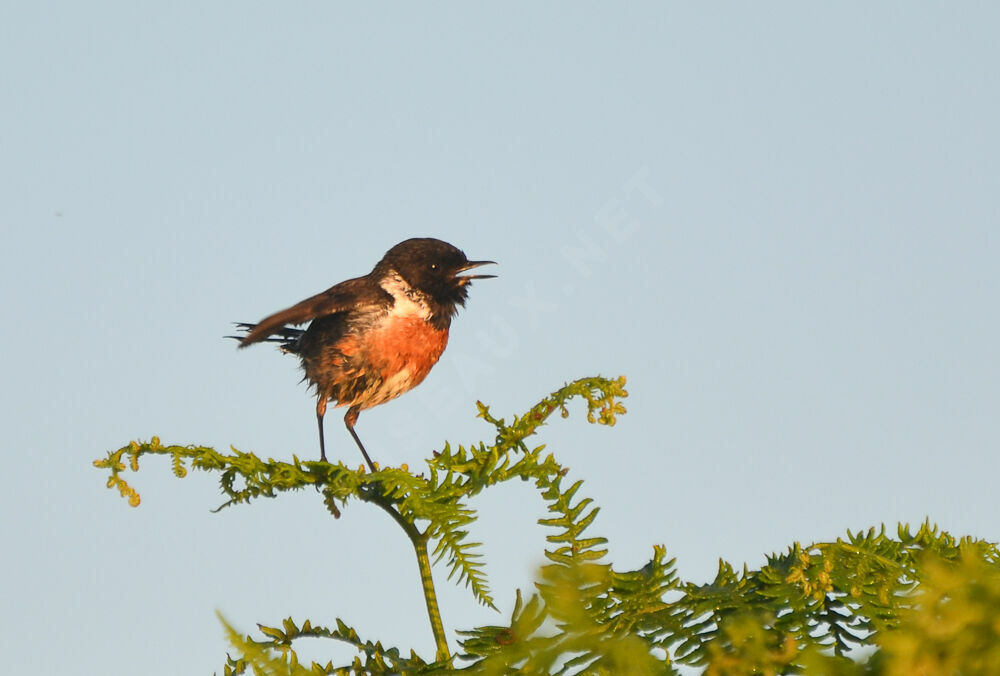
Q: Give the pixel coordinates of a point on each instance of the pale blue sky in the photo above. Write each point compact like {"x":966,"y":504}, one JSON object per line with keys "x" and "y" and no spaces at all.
{"x":778,"y":220}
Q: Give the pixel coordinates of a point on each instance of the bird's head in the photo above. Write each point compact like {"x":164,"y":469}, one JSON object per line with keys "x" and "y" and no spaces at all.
{"x":434,"y":268}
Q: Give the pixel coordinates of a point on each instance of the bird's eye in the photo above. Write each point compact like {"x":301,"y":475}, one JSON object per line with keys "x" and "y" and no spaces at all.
{"x":434,"y":266}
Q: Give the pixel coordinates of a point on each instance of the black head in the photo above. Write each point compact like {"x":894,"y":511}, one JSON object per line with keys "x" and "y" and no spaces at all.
{"x":434,"y":268}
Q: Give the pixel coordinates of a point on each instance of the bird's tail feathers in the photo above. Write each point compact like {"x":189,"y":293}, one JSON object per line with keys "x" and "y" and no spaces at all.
{"x":286,"y":337}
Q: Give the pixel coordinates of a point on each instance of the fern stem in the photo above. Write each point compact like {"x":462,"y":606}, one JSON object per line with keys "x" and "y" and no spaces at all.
{"x":430,"y":597}
{"x":419,"y":542}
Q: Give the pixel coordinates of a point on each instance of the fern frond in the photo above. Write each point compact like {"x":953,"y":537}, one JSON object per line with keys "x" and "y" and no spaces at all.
{"x":275,"y":654}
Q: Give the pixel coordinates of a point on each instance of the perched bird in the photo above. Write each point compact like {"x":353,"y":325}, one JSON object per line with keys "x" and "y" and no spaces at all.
{"x":372,"y":338}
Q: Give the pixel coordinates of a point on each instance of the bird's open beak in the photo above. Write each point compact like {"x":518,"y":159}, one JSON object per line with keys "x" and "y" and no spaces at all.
{"x":465,"y":279}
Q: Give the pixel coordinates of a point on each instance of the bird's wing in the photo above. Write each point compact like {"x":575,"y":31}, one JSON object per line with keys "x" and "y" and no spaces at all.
{"x":353,"y":293}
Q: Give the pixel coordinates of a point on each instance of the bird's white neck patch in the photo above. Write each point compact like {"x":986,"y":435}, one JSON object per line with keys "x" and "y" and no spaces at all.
{"x":407,"y":301}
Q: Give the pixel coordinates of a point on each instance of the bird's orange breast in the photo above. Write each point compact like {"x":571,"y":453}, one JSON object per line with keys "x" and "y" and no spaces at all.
{"x":406,"y":343}
{"x":385,"y":360}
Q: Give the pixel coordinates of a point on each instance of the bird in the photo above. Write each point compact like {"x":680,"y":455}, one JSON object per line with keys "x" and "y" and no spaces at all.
{"x":375,"y":337}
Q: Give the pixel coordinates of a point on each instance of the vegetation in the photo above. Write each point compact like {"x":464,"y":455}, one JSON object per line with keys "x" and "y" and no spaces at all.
{"x":911,"y":602}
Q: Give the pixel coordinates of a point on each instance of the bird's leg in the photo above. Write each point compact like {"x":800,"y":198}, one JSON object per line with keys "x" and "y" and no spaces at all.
{"x":320,"y":412}
{"x":349,"y":420}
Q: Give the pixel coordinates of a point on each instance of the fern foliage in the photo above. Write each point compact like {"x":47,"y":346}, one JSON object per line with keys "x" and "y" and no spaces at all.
{"x":918,"y":600}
